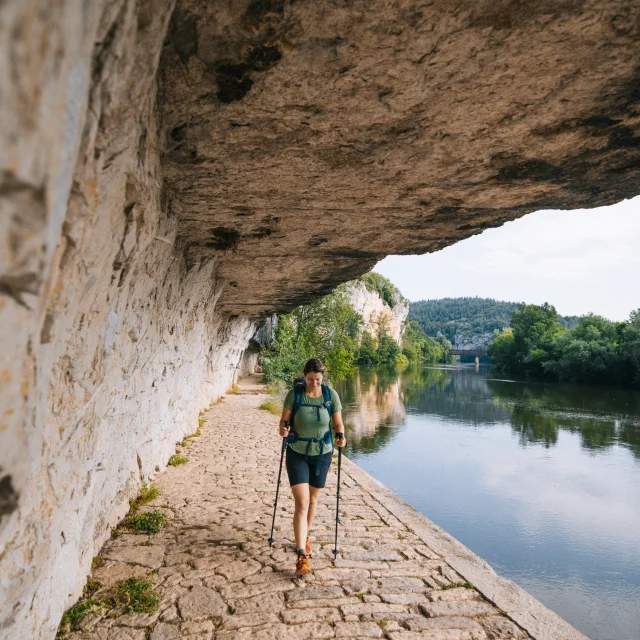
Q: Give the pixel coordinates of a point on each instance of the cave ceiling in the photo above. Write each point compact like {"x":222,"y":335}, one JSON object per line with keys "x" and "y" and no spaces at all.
{"x":304,"y":141}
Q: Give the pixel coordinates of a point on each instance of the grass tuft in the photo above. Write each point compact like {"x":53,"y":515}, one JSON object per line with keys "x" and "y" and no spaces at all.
{"x":456,"y":585}
{"x":147,"y":494}
{"x":176,"y":460}
{"x":272,"y":407}
{"x":187,"y":439}
{"x":234,"y":389}
{"x":76,"y":614}
{"x":150,"y":522}
{"x":136,"y":595}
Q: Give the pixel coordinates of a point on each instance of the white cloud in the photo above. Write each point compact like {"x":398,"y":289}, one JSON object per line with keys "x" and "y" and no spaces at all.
{"x":585,"y":260}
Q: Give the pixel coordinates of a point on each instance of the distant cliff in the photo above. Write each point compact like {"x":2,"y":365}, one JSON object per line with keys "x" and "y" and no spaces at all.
{"x":379,"y":307}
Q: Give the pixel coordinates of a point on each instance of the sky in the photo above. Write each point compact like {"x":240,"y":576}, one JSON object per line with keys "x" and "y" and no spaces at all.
{"x":581,"y":261}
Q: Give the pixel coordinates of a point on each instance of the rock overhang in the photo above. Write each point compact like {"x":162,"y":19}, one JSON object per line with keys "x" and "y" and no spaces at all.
{"x":305,"y":141}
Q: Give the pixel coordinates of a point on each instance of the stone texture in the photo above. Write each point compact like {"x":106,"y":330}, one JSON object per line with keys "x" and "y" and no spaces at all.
{"x":201,"y":603}
{"x":164,"y":631}
{"x":358,"y":630}
{"x":111,"y":344}
{"x":404,"y":126}
{"x":376,"y":313}
{"x":146,"y":556}
{"x":462,"y":607}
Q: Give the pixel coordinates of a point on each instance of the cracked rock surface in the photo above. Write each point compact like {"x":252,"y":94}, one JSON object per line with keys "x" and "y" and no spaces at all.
{"x":319,"y":137}
{"x":218,"y":577}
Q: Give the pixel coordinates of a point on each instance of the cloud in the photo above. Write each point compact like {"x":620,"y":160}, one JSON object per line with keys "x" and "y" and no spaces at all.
{"x":584,"y":260}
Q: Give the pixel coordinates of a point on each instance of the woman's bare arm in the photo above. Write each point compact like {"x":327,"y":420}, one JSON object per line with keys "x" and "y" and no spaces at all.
{"x":339,"y":428}
{"x":286,"y":416}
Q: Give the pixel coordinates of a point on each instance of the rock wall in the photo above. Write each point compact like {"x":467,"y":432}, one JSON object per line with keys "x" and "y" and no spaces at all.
{"x":111,"y":344}
{"x":376,"y":312}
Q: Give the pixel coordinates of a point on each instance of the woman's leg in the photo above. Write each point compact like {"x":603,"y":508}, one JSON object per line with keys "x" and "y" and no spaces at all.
{"x":301,"y":512}
{"x":313,"y":505}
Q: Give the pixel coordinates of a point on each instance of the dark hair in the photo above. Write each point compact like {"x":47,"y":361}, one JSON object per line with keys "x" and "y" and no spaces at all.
{"x":313,"y":366}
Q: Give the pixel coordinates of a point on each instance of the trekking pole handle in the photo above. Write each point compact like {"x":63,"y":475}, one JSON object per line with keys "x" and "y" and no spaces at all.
{"x":339,"y":435}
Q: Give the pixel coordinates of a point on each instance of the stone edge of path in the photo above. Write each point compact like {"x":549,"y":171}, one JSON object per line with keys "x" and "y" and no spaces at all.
{"x":530,"y":614}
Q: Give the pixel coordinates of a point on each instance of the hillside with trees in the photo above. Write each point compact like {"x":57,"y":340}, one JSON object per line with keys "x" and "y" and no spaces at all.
{"x":596,"y":350}
{"x":331,"y":329}
{"x":467,"y":320}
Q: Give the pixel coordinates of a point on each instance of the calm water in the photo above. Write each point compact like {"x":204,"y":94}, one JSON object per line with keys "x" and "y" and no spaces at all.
{"x":540,"y":480}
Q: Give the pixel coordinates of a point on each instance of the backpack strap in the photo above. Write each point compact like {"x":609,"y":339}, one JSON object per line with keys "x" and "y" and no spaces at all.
{"x":328,"y":403}
{"x":327,"y":439}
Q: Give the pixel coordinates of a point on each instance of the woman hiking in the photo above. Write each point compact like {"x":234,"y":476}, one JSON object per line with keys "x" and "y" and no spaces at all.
{"x":309,"y":451}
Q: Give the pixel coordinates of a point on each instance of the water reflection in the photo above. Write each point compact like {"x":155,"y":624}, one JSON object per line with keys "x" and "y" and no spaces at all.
{"x":373,"y":405}
{"x":535,"y":478}
{"x":377,"y":401}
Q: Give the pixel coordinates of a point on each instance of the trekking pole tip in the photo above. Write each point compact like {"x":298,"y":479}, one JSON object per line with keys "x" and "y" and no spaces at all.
{"x":270,"y":541}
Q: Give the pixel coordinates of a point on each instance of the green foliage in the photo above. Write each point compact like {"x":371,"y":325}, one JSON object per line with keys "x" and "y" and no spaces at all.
{"x":146,"y":495}
{"x":327,"y":329}
{"x":272,"y":407}
{"x":467,"y":317}
{"x":150,"y":522}
{"x":77,"y":613}
{"x":388,"y":291}
{"x":502,"y":350}
{"x":596,"y":350}
{"x":136,"y":595}
{"x":388,"y":349}
{"x":176,"y":460}
{"x":368,"y":354}
{"x":417,"y":346}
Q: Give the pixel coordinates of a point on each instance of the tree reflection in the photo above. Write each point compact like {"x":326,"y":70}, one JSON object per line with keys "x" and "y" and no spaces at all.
{"x":373,"y":408}
{"x":540,"y":411}
{"x":377,"y":401}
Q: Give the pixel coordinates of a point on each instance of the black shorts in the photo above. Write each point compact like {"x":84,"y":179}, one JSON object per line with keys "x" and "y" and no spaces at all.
{"x":307,"y":471}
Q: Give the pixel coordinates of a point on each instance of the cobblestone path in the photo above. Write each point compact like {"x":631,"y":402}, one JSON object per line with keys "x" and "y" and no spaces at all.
{"x":216,"y":576}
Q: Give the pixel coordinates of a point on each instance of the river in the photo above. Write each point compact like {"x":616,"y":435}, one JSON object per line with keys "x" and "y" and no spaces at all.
{"x":541,"y":480}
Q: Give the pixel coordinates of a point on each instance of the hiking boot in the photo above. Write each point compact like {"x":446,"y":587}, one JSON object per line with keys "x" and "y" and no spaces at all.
{"x":307,"y":548}
{"x":302,"y":566}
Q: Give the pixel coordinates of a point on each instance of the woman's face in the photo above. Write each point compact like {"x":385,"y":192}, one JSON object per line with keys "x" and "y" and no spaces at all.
{"x":313,"y":381}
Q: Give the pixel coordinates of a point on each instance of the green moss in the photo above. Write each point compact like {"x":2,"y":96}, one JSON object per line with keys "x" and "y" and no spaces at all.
{"x":176,"y":460}
{"x":150,"y":522}
{"x":456,"y":585}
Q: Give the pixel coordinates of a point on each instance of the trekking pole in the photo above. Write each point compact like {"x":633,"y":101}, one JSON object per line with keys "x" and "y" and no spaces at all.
{"x":275,"y":503}
{"x":335,"y":547}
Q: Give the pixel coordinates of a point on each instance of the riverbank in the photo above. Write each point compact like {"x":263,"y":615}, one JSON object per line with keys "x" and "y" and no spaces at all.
{"x":397,"y":576}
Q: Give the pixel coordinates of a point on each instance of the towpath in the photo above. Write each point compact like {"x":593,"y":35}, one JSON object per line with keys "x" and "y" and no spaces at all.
{"x":397,"y":576}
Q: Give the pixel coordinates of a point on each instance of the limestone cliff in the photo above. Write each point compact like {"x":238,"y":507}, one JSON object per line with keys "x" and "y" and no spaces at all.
{"x":172,"y":171}
{"x":376,"y":313}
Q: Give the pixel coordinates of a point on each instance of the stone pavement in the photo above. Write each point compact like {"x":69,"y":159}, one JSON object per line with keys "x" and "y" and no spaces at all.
{"x":397,"y":575}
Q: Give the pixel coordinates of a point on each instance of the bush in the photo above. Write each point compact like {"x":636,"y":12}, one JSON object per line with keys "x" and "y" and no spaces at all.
{"x":389,"y":293}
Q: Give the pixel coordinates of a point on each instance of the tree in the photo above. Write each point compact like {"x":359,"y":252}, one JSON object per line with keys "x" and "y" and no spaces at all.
{"x":327,"y":329}
{"x":630,"y":344}
{"x":502,"y":350}
{"x":535,"y":327}
{"x":368,"y":352}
